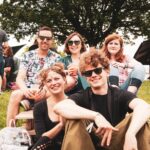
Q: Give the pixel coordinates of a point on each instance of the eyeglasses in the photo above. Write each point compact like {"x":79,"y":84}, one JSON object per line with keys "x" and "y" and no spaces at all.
{"x":89,"y":72}
{"x":43,"y":38}
{"x":70,"y":43}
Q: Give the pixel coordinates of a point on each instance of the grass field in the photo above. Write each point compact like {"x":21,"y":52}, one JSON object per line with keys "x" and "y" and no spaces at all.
{"x":144,"y":93}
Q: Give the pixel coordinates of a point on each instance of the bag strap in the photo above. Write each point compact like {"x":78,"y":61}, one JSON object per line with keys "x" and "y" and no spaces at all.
{"x":25,"y":132}
{"x":12,"y":123}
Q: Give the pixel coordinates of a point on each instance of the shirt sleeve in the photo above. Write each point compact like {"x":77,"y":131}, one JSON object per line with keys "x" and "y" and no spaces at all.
{"x":125,"y":98}
{"x":24,"y":62}
{"x":39,"y":122}
{"x":81,"y":99}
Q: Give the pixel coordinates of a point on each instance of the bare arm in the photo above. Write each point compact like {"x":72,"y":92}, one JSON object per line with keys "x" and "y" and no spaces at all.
{"x":20,"y":80}
{"x":141,"y":113}
{"x":68,"y":109}
{"x":54,"y":131}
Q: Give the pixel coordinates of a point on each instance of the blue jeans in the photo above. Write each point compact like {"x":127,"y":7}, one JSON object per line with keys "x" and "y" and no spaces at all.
{"x":1,"y":66}
{"x":135,"y":77}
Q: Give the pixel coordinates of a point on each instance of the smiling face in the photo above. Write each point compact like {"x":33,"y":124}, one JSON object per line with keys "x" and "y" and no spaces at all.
{"x":97,"y":80}
{"x":114,"y":46}
{"x":44,"y":39}
{"x":74,"y":45}
{"x":55,"y":83}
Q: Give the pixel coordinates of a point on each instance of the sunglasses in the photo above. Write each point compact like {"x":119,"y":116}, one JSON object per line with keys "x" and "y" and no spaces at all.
{"x":89,"y":72}
{"x":43,"y":38}
{"x":70,"y":43}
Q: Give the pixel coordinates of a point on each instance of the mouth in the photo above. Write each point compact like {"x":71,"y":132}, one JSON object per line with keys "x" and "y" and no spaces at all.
{"x":96,"y":79}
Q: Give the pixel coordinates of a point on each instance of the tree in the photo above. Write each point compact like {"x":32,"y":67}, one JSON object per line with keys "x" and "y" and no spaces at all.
{"x":93,"y":19}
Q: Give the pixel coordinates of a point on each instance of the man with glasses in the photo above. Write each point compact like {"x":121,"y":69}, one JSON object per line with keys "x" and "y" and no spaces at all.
{"x":106,"y":107}
{"x":27,"y":79}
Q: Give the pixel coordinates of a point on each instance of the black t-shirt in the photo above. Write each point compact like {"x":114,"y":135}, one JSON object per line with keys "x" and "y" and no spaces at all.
{"x":100,"y":104}
{"x":116,"y":105}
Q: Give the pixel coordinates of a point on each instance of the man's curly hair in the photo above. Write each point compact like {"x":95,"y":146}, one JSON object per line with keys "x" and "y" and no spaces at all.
{"x":93,"y":57}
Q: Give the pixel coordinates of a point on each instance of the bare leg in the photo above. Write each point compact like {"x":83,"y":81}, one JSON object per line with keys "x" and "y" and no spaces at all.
{"x":4,"y":81}
{"x":13,"y":106}
{"x":132,"y":89}
{"x":0,"y":84}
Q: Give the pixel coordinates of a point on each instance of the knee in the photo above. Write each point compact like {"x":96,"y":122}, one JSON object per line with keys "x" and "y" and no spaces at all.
{"x":16,"y":96}
{"x":138,"y":72}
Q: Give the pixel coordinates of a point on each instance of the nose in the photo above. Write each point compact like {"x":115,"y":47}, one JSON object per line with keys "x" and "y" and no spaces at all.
{"x":93,"y":74}
{"x":45,"y":39}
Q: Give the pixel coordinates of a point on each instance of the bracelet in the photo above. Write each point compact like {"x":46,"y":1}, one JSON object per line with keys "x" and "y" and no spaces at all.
{"x":125,"y":66}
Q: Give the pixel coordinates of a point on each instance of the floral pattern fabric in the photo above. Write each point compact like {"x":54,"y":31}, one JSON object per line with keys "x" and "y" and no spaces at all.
{"x":33,"y":64}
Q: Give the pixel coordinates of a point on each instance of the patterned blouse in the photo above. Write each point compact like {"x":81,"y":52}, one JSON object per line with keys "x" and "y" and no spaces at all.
{"x":33,"y":65}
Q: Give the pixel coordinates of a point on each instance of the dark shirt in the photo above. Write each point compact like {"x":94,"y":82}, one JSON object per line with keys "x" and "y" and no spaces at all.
{"x":42,"y":122}
{"x":116,"y":103}
{"x":9,"y":62}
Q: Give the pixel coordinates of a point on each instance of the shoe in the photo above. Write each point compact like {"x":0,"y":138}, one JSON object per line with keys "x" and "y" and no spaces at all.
{"x":26,"y":105}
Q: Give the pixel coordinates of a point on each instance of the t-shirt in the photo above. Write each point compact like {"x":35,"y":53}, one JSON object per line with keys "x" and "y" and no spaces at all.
{"x":116,"y":105}
{"x":33,"y":65}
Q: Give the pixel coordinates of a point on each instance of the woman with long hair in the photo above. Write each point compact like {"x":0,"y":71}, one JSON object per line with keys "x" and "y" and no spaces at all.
{"x":125,"y":72}
{"x":74,"y":47}
{"x":49,"y":126}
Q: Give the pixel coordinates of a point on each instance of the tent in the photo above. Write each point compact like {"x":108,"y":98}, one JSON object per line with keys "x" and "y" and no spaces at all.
{"x":143,"y":53}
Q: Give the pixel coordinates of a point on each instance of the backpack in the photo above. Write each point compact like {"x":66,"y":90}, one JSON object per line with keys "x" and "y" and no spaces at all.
{"x":14,"y":138}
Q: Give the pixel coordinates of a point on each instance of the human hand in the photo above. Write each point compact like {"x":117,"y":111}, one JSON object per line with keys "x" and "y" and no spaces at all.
{"x":39,"y":94}
{"x":28,"y":93}
{"x":118,"y":64}
{"x":73,"y":69}
{"x":104,"y":130}
{"x":130,"y":142}
{"x":71,"y":82}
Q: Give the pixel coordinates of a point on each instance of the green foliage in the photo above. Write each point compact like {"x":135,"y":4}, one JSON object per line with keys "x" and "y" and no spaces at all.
{"x":93,"y":19}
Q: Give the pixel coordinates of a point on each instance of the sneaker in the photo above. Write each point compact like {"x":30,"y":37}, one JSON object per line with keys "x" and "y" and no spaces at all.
{"x":26,"y":105}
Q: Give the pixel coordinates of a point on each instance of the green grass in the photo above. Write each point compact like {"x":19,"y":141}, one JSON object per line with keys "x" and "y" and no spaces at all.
{"x":144,"y":93}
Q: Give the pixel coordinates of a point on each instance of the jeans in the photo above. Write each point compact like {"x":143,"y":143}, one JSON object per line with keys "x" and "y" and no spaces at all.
{"x":135,"y":77}
{"x":1,"y":66}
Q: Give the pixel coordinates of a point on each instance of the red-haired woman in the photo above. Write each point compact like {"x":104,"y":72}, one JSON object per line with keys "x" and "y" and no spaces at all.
{"x":125,"y":72}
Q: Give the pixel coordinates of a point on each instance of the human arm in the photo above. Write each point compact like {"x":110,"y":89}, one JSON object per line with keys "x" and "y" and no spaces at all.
{"x":7,"y":69}
{"x":141,"y":113}
{"x":68,"y":109}
{"x":20,"y":80}
{"x":55,"y":130}
{"x":43,"y":125}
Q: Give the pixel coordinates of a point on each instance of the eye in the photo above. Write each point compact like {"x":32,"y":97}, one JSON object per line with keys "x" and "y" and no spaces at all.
{"x":49,"y":81}
{"x":116,"y":43}
{"x":56,"y":78}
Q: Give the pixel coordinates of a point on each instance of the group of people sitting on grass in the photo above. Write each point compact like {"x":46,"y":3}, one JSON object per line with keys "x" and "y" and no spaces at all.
{"x":80,"y":101}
